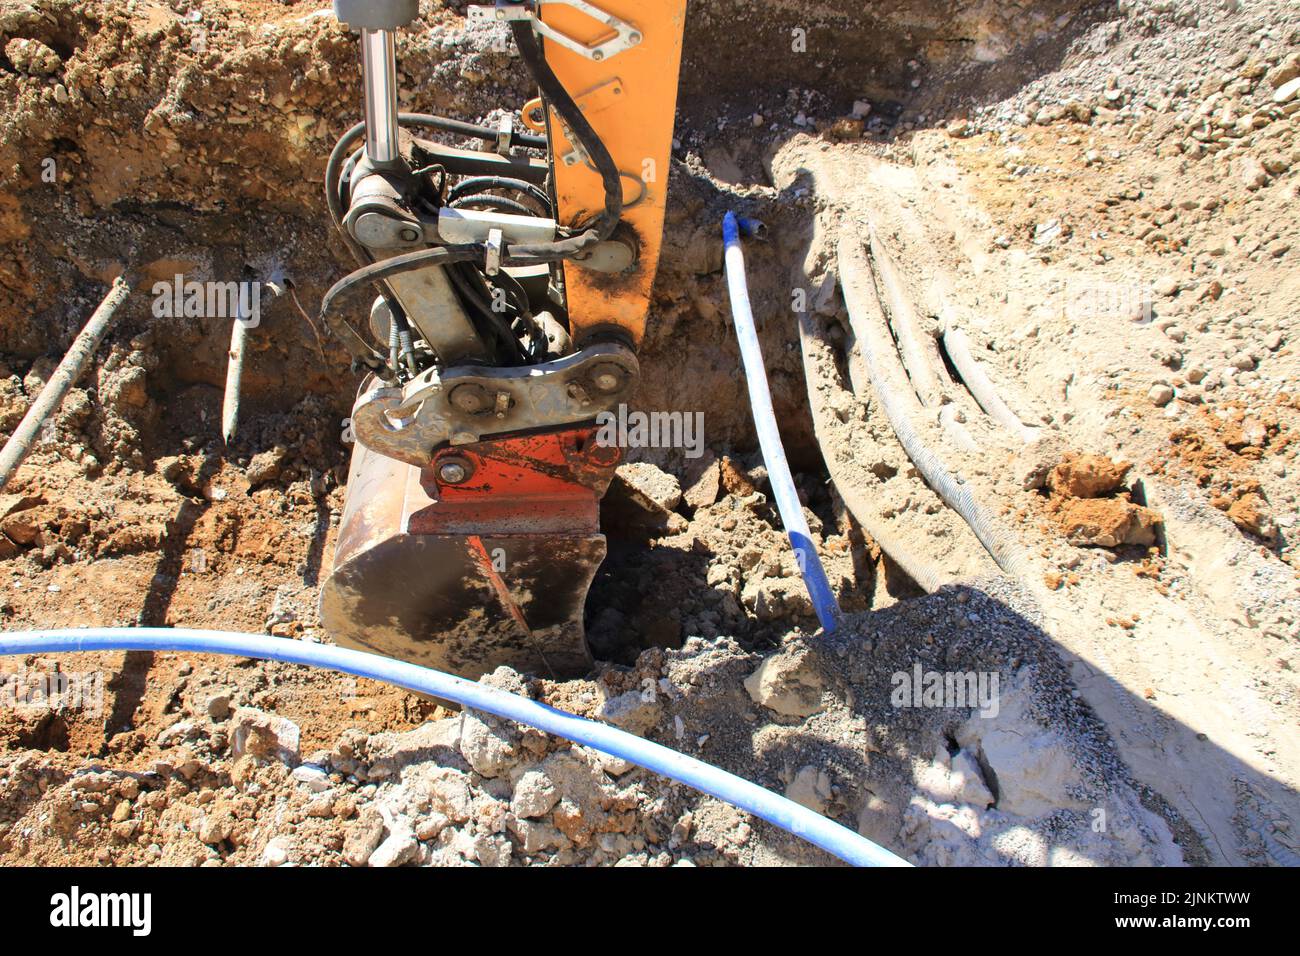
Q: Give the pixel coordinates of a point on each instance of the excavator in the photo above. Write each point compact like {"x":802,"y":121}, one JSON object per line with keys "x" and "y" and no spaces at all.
{"x":511,"y":285}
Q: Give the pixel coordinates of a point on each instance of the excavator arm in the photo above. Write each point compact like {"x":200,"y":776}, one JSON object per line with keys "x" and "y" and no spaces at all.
{"x":513,"y":283}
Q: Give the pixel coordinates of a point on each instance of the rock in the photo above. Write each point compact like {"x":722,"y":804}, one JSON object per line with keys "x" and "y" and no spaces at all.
{"x":773,"y":599}
{"x":1160,"y":395}
{"x":788,"y":683}
{"x":22,"y":528}
{"x":314,"y":778}
{"x":1031,"y":764}
{"x":535,"y":836}
{"x":959,"y":128}
{"x":846,"y":128}
{"x":437,"y":740}
{"x":450,"y":794}
{"x":32,"y":57}
{"x":1050,"y":114}
{"x":534,"y":796}
{"x":363,"y":837}
{"x":488,"y":745}
{"x":265,"y":736}
{"x":276,"y":851}
{"x":217,"y":826}
{"x":638,"y":497}
{"x":811,"y":787}
{"x":703,"y":481}
{"x":968,"y":781}
{"x":125,"y":389}
{"x":631,"y":711}
{"x":1107,"y":522}
{"x":1166,"y":286}
{"x":397,"y":848}
{"x":218,"y":707}
{"x":1251,"y":172}
{"x":266,"y":465}
{"x":652,"y":482}
{"x":1251,"y":513}
{"x":1047,"y":232}
{"x":491,"y":849}
{"x":1285,"y":72}
{"x":431,"y":826}
{"x":1087,"y":476}
{"x":175,"y":734}
{"x":1287,"y":91}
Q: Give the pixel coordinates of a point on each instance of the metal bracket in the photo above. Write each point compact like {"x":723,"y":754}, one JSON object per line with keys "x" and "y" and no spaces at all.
{"x":463,"y":405}
{"x":625,"y":34}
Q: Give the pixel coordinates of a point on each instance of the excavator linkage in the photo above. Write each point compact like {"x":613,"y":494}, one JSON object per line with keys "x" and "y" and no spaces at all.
{"x":513,"y":294}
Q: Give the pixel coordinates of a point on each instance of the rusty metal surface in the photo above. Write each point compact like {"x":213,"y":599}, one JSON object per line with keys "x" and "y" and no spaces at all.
{"x":466,"y":577}
{"x":408,"y":423}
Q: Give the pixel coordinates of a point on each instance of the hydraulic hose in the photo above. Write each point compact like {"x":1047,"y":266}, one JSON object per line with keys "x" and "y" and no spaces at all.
{"x":769,"y":436}
{"x":776,"y":809}
{"x":557,"y":97}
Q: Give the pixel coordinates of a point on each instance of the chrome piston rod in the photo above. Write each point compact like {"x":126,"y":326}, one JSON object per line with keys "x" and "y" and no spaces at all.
{"x":379,"y":78}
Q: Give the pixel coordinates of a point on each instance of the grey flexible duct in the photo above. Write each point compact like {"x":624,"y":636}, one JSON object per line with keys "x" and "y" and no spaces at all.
{"x":920,"y":352}
{"x":902,"y":407}
{"x":917,"y":568}
{"x":979,"y":384}
{"x":922,"y":366}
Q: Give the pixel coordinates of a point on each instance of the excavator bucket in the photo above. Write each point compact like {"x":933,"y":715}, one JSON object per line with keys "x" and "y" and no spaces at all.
{"x":492,"y":569}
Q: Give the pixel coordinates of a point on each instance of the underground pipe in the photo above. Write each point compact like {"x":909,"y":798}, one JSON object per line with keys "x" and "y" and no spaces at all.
{"x":234,"y":379}
{"x":781,"y":811}
{"x":900,"y":407}
{"x":769,"y":436}
{"x":843,"y":474}
{"x":920,"y":355}
{"x":980,"y":385}
{"x":74,"y":363}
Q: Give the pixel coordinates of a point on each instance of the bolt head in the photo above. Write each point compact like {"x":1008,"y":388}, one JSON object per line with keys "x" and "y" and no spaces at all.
{"x":452,"y":472}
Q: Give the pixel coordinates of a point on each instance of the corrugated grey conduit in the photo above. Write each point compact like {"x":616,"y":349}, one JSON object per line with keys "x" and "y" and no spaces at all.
{"x":923,"y":572}
{"x":902,"y":407}
{"x":919,"y":352}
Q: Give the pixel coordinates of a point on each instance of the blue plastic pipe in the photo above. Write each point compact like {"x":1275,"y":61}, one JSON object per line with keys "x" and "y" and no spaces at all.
{"x":785,"y":813}
{"x":769,"y":437}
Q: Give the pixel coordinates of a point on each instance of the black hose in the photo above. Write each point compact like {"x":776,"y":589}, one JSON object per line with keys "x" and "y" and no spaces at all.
{"x":499,"y":203}
{"x":554,"y":93}
{"x":469,"y":284}
{"x":478,"y":184}
{"x":407,"y":262}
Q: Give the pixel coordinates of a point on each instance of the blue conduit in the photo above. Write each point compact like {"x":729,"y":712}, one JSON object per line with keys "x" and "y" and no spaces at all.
{"x":785,"y":813}
{"x":769,"y":437}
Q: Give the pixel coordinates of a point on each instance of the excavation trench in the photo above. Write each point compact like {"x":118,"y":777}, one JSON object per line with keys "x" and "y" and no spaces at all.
{"x":202,"y":159}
